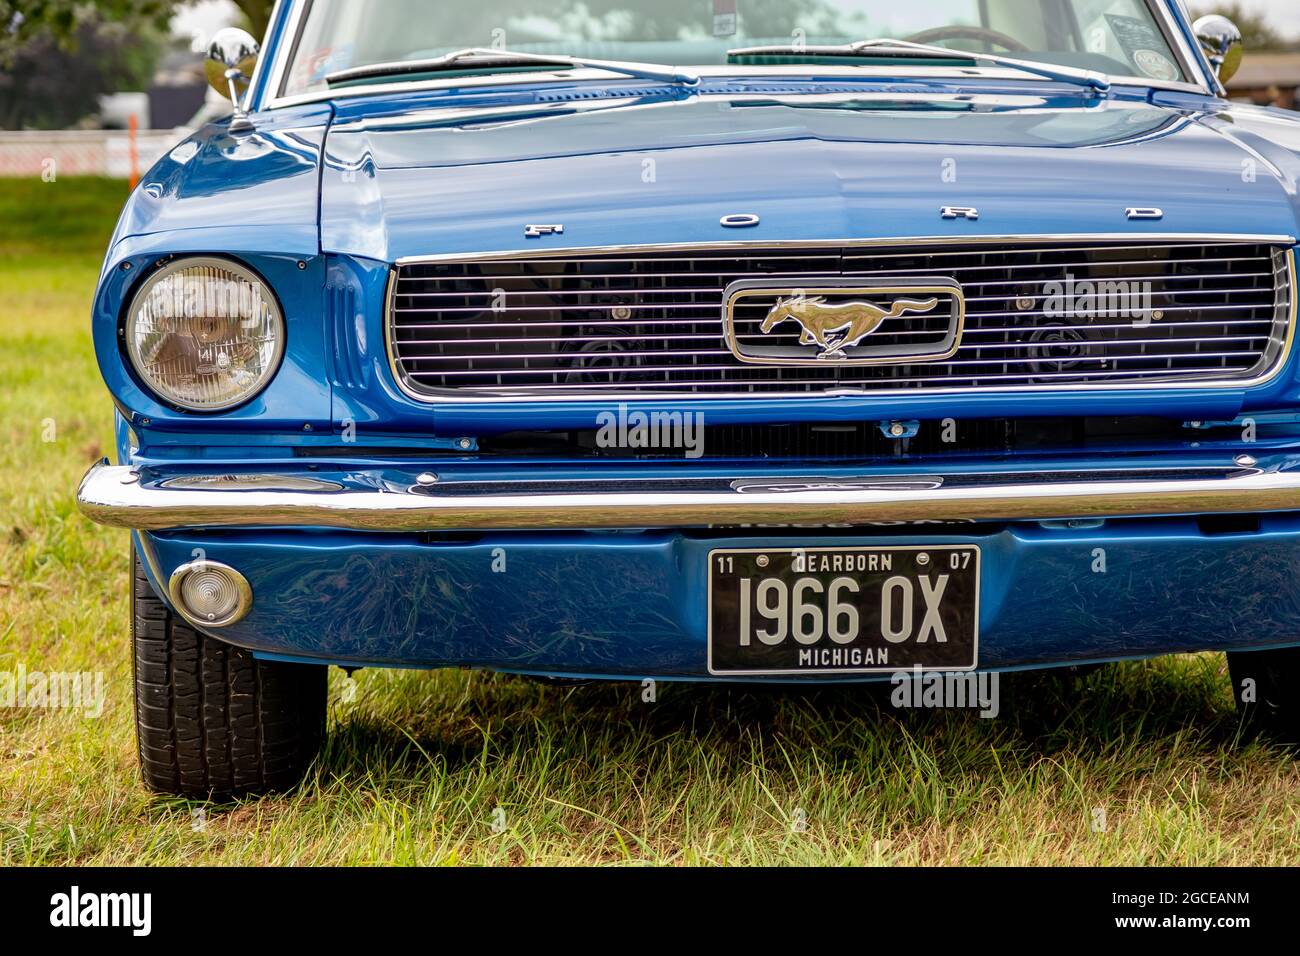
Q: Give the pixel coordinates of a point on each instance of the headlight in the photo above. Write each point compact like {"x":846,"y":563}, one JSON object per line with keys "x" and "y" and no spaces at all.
{"x":205,"y":334}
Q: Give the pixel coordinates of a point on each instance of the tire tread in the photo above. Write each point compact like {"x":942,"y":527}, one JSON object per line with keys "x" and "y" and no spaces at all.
{"x":212,"y":721}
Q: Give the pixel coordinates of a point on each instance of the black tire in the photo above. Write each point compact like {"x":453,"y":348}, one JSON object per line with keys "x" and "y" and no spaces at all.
{"x":211,"y":720}
{"x":1275,"y":680}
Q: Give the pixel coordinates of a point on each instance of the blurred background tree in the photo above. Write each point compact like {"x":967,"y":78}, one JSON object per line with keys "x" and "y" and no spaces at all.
{"x":53,"y":81}
{"x":22,"y":20}
{"x":58,"y":57}
{"x":1258,"y":35}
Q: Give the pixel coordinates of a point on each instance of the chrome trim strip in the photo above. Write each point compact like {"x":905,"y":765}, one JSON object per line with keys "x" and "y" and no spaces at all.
{"x":256,"y":94}
{"x":1177,"y":40}
{"x":1181,"y":24}
{"x":287,"y":47}
{"x":1137,"y":238}
{"x":497,"y":396}
{"x":106,"y":498}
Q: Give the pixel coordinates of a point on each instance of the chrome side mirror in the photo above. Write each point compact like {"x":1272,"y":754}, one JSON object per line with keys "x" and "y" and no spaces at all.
{"x":232,"y":56}
{"x":1221,"y":40}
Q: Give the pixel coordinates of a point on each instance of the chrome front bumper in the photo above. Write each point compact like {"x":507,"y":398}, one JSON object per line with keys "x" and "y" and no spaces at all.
{"x":383,"y":500}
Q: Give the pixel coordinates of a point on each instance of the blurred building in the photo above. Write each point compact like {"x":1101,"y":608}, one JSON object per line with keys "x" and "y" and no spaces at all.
{"x":1268,"y":79}
{"x":178,"y":90}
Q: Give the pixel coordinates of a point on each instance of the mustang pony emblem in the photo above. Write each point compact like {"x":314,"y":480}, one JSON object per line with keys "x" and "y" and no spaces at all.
{"x":839,"y":326}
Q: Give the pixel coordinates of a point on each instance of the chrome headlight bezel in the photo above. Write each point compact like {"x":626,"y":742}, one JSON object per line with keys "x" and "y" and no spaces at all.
{"x":131,"y":346}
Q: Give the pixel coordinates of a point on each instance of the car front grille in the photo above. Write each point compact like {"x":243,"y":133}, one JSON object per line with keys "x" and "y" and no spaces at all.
{"x":1038,"y":315}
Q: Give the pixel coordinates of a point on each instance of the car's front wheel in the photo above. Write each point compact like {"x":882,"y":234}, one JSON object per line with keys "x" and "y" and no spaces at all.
{"x":211,"y":720}
{"x":1266,"y":685}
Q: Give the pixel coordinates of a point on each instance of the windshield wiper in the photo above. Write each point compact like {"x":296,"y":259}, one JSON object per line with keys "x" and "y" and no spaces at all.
{"x":902,"y":48}
{"x":482,"y":58}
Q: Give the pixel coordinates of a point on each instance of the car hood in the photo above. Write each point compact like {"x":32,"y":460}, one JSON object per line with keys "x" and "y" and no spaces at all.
{"x":428,"y":179}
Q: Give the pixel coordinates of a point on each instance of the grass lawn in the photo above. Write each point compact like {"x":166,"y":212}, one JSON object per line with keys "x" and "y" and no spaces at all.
{"x":1132,"y":764}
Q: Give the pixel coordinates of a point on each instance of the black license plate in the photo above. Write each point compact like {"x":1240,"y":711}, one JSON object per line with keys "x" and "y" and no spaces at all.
{"x":843,"y":610}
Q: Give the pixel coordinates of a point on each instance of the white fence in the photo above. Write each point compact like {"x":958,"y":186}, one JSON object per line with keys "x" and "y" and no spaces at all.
{"x":83,"y":152}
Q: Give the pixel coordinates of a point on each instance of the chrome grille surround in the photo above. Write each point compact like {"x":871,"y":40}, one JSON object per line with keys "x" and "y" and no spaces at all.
{"x":645,"y":322}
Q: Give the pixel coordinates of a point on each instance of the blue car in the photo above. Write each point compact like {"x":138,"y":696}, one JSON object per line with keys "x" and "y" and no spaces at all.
{"x":800,"y":341}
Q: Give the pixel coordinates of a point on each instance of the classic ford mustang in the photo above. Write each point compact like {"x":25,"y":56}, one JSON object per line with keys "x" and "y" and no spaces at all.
{"x":726,"y":340}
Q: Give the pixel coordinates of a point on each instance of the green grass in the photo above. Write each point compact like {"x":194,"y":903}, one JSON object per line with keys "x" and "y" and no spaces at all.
{"x":417,"y":763}
{"x":72,"y":215}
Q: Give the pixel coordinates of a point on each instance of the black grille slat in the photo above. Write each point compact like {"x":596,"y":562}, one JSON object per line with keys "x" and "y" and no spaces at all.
{"x":539,"y":325}
{"x":865,"y":442}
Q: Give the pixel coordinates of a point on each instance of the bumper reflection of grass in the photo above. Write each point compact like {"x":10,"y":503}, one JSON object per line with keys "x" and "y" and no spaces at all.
{"x":417,"y":764}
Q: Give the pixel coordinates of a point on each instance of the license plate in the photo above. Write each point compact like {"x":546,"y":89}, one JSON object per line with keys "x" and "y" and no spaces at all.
{"x":843,"y":610}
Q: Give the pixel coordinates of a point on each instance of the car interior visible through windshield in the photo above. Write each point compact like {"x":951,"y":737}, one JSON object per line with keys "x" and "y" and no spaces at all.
{"x":1114,"y":37}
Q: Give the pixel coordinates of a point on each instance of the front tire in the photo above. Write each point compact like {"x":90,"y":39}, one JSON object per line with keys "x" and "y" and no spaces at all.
{"x":1273,"y":679}
{"x":211,"y":720}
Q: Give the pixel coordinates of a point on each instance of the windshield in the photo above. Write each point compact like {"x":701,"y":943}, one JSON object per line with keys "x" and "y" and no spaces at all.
{"x":1116,"y":37}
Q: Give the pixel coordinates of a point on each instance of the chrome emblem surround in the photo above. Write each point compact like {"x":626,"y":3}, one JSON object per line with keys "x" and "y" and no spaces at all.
{"x":834,"y":333}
